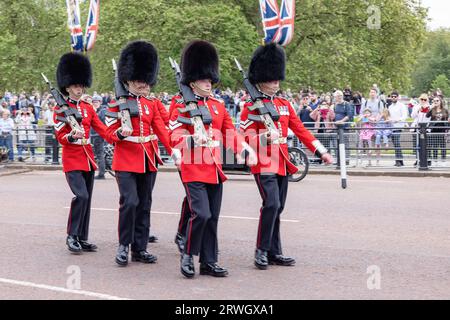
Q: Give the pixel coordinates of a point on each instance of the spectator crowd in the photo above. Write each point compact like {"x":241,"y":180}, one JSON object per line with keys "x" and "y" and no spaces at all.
{"x":380,"y":118}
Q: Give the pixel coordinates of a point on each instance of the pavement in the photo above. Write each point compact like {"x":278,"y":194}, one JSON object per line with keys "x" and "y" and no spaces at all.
{"x":381,"y":238}
{"x":385,"y":169}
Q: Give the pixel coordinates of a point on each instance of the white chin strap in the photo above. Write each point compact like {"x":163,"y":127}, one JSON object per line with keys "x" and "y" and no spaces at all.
{"x":205,"y":93}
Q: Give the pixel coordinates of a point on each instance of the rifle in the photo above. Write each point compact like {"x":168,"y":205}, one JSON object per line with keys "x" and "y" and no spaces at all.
{"x":127,"y":108}
{"x":267,"y":112}
{"x":65,"y":113}
{"x":199,"y":115}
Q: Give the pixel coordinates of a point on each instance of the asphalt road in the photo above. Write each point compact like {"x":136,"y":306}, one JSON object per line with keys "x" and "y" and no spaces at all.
{"x":382,"y":238}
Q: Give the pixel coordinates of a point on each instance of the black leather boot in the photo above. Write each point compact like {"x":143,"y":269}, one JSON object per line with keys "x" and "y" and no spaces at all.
{"x":261,"y":261}
{"x":88,"y":247}
{"x":152,"y":239}
{"x":73,"y":244}
{"x":213,"y":269}
{"x":122,"y":255}
{"x":143,"y":256}
{"x":179,"y":241}
{"x":281,"y":260}
{"x":187,"y":266}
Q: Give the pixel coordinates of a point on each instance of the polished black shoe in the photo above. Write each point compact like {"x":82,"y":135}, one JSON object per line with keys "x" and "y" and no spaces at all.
{"x":99,"y":177}
{"x":281,"y":260}
{"x":187,"y":266}
{"x":261,"y":261}
{"x":73,"y":245}
{"x":122,"y":255}
{"x":179,"y":241}
{"x":152,"y":239}
{"x":213,"y":269}
{"x":88,"y":247}
{"x":143,"y":256}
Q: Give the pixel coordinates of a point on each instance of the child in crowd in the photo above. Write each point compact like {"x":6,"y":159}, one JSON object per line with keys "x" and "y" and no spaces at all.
{"x":367,"y":122}
{"x":382,"y":132}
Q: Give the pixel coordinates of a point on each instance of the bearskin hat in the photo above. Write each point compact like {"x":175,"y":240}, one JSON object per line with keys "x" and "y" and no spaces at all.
{"x":199,"y":60}
{"x":139,"y":62}
{"x":268,"y":64}
{"x":73,"y":68}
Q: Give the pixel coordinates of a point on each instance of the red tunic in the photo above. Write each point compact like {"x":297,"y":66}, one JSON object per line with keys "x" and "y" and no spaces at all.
{"x":130,"y":156}
{"x":274,"y":158}
{"x":204,"y":164}
{"x":78,"y":156}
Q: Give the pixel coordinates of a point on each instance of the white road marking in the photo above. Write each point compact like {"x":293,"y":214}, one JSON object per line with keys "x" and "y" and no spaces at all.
{"x":61,"y":289}
{"x":177,"y":214}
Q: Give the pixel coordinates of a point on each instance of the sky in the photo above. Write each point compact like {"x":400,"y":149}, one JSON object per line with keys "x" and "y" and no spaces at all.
{"x":439,"y":13}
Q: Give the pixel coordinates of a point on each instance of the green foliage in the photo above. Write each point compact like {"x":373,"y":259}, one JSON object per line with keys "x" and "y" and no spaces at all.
{"x":442,"y":83}
{"x":433,"y":62}
{"x":332,"y":46}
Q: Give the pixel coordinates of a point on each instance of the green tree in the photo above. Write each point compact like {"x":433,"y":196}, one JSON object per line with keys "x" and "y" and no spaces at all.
{"x":442,"y":83}
{"x":433,"y":61}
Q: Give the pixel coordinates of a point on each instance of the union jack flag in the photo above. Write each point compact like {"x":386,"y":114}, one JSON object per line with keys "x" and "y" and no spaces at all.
{"x":76,"y":33}
{"x":271,"y":20}
{"x":92,"y":24}
{"x":287,"y":17}
{"x":278,"y":25}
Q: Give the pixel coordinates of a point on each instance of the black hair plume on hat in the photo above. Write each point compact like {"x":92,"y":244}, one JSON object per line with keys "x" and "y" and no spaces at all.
{"x":73,"y":68}
{"x":139,"y":62}
{"x":199,"y":61}
{"x":268,"y":64}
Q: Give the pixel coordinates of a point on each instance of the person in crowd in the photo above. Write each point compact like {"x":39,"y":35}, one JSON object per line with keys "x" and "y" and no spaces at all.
{"x":323,"y":117}
{"x":367,"y":122}
{"x":314,"y":100}
{"x":399,"y":114}
{"x":419,"y":115}
{"x":344,"y":113}
{"x":382,"y":132}
{"x":49,"y":128}
{"x":97,"y":141}
{"x":374,"y":103}
{"x":305,"y":111}
{"x":26,"y":133}
{"x":439,"y":117}
{"x":6,"y":133}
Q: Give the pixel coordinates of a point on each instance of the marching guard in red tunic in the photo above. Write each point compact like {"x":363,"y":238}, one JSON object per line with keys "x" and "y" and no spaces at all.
{"x":134,"y":129}
{"x":266,"y":69}
{"x":73,"y":75}
{"x":200,"y":145}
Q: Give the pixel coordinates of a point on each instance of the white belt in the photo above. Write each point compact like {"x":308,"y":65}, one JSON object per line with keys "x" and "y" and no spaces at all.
{"x":141,"y":139}
{"x":210,"y":144}
{"x":82,"y":142}
{"x":281,"y":140}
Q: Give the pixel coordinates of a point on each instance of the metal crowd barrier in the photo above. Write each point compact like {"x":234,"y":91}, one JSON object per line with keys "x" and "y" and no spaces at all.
{"x":421,"y":147}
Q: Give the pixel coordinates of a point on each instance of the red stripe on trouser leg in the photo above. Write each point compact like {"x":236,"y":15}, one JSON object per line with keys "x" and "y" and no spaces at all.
{"x":191,"y":219}
{"x":263,"y":195}
{"x":69,"y":223}
{"x":183,"y":209}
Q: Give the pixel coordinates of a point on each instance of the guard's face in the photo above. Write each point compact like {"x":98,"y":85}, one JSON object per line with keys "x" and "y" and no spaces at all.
{"x":75,"y":90}
{"x":139,"y":88}
{"x":202,"y":87}
{"x":270,"y":87}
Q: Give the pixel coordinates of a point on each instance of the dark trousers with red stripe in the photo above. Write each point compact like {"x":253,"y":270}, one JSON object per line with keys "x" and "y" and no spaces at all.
{"x":81,"y":183}
{"x":185,"y":215}
{"x":205,"y":201}
{"x":134,"y":212}
{"x":273,"y":189}
{"x":152,"y":185}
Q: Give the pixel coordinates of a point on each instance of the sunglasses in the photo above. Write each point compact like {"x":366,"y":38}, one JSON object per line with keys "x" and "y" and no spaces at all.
{"x":423,"y":99}
{"x":394,"y":97}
